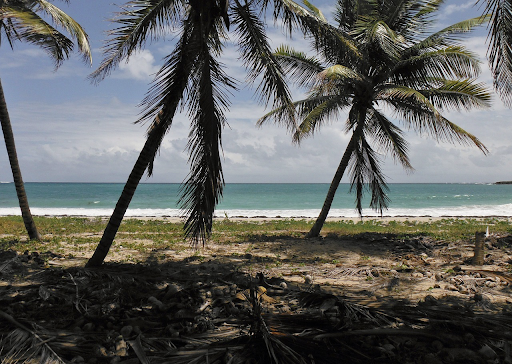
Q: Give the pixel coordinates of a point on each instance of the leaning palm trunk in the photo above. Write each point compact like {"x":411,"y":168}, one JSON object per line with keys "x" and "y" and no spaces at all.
{"x":320,"y":220}
{"x":142,"y":163}
{"x":15,"y":167}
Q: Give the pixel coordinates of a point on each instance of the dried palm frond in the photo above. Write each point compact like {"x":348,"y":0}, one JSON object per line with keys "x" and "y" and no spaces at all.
{"x":260,"y":293}
{"x":23,"y":345}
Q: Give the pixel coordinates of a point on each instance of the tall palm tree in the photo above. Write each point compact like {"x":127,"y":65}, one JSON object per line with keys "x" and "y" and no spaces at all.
{"x":192,"y":78}
{"x":500,"y":46}
{"x":378,"y":55}
{"x":21,"y":20}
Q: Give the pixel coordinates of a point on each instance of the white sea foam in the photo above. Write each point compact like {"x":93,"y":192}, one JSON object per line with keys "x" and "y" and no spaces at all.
{"x":485,"y":210}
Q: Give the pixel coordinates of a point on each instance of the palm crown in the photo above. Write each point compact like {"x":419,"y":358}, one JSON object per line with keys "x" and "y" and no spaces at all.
{"x":380,"y":56}
{"x":192,"y":77}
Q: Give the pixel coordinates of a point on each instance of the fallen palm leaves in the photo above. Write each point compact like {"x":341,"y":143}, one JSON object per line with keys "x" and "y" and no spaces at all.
{"x":181,"y":314}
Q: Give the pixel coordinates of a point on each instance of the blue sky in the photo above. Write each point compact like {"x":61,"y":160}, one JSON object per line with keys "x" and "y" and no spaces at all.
{"x":69,"y":130}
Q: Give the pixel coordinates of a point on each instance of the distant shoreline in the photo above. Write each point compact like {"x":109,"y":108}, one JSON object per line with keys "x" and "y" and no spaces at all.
{"x":174,"y":219}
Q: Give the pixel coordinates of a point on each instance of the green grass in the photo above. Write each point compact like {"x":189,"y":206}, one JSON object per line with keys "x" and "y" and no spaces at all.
{"x":84,"y":233}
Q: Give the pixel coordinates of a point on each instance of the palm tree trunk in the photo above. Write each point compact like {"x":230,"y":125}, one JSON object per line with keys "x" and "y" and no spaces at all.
{"x":136,"y":174}
{"x":320,"y":220}
{"x":15,"y":167}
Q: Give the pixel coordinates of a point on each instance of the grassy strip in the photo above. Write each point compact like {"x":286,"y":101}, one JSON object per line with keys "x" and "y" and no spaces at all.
{"x":81,"y":234}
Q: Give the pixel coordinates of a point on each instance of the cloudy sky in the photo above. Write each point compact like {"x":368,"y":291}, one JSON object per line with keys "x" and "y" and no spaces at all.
{"x":69,"y":130}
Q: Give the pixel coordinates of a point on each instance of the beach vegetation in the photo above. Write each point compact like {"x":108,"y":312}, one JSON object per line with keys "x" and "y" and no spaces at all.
{"x":25,"y":21}
{"x":192,"y":78}
{"x":80,"y":237}
{"x":379,"y":58}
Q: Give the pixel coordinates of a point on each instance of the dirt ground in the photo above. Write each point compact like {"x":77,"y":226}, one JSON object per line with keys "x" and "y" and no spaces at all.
{"x":316,"y":300}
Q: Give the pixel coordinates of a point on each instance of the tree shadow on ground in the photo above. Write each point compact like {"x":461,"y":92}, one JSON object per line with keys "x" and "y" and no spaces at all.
{"x":196,"y":311}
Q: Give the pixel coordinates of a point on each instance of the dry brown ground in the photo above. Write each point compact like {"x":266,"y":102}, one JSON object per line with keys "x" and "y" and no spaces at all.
{"x":176,"y":303}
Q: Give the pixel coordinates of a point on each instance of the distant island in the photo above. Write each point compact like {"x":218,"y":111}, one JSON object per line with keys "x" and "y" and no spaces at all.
{"x":504,"y":183}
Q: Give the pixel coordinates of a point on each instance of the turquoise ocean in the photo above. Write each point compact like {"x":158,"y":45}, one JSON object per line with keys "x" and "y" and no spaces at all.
{"x":292,"y":200}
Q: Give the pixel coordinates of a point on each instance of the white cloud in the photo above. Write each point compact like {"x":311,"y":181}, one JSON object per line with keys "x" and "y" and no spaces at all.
{"x":140,"y":66}
{"x":456,"y":8}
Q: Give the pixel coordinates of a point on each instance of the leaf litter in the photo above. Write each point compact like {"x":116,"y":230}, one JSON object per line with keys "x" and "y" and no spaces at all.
{"x":220,"y":311}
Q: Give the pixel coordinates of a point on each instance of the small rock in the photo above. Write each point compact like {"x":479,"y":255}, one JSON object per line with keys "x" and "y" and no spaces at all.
{"x":126,"y":331}
{"x":478,"y":297}
{"x":431,"y":359}
{"x":417,"y":275}
{"x":437,"y":285}
{"x":451,"y":287}
{"x":463,"y":290}
{"x":461,"y":355}
{"x":308,"y":279}
{"x":437,"y":345}
{"x":78,"y":359}
{"x":283,"y":285}
{"x":430,"y":300}
{"x":439,"y":277}
{"x":156,"y":303}
{"x":487,"y":353}
{"x":491,"y":284}
{"x":388,"y":347}
{"x":88,"y":326}
{"x":469,"y":338}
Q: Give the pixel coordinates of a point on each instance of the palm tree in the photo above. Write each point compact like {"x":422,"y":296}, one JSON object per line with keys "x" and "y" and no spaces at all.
{"x":380,"y":54}
{"x":500,"y":46}
{"x":192,"y":78}
{"x":20,"y":21}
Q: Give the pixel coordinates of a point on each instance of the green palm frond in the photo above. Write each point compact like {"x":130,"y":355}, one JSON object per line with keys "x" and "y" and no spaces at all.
{"x":449,"y":62}
{"x":202,"y":190}
{"x":500,"y":49}
{"x":340,"y":73}
{"x":451,"y":34}
{"x":27,"y":26}
{"x":389,"y":137}
{"x":140,"y":20}
{"x":70,"y":25}
{"x":315,"y":10}
{"x":315,"y":112}
{"x":419,"y":114}
{"x":298,"y":66}
{"x":258,"y":58}
{"x":365,"y":172}
{"x":459,"y":95}
{"x":378,"y":35}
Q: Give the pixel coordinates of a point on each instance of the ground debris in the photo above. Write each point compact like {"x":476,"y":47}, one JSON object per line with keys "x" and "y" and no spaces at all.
{"x":181,"y":312}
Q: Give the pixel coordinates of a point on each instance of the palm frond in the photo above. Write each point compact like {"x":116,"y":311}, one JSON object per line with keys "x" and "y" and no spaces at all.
{"x":26,"y":25}
{"x":449,"y":62}
{"x":298,"y":66}
{"x":378,"y":35}
{"x":418,"y":113}
{"x":315,"y":112}
{"x":459,"y":95}
{"x":258,"y":58}
{"x":365,"y":172}
{"x":389,"y":137}
{"x":76,"y":31}
{"x":450,"y":35}
{"x":202,"y":190}
{"x":340,"y":72}
{"x":139,"y":21}
{"x":500,"y":46}
{"x":315,"y":10}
